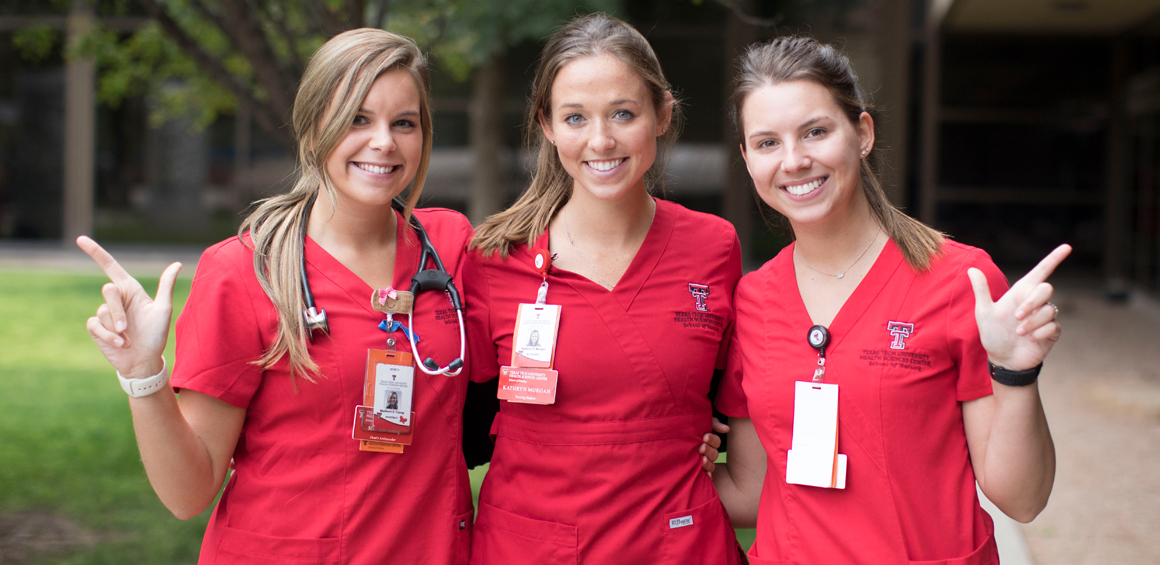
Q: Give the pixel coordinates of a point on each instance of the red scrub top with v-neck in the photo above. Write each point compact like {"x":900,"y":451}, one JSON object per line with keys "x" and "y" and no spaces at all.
{"x":905,"y":354}
{"x":610,"y":473}
{"x":301,"y":491}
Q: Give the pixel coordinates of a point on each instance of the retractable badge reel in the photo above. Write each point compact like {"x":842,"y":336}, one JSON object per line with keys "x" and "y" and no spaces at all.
{"x":813,"y":458}
{"x":530,"y":378}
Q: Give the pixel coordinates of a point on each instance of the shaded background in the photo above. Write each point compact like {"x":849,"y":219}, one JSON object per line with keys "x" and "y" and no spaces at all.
{"x":1013,"y":125}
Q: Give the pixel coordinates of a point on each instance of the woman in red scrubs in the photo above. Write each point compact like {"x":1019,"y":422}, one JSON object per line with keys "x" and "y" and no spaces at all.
{"x":258,"y":388}
{"x":601,"y":466}
{"x":901,"y":327}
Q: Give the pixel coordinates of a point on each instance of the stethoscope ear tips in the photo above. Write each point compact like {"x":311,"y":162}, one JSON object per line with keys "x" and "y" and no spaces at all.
{"x":431,"y":364}
{"x":455,"y":365}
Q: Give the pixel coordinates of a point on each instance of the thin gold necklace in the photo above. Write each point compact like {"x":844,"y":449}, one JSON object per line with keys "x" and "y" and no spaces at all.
{"x":807,"y":265}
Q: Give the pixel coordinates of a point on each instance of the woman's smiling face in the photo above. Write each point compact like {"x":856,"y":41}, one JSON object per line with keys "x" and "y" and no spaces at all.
{"x":604,"y":125}
{"x":380,"y":153}
{"x":802,"y":151}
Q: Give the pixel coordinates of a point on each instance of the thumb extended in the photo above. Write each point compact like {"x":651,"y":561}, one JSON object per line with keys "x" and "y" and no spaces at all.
{"x":982,"y":290}
{"x":165,"y":286}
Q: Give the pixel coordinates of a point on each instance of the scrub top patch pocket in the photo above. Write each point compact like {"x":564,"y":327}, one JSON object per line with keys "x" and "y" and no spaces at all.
{"x":506,"y":538}
{"x":260,"y":549}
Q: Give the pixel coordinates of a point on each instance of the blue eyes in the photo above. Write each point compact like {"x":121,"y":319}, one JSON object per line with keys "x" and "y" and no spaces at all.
{"x":577,"y":119}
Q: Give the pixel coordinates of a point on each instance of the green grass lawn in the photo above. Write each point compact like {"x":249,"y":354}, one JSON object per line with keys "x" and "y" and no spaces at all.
{"x":66,"y":437}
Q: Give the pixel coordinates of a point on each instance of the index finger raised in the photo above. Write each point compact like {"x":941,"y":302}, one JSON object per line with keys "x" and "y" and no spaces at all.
{"x":1047,"y":265}
{"x":105,"y":261}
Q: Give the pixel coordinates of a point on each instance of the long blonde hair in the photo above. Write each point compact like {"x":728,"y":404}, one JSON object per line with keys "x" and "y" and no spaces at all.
{"x":551,"y":186}
{"x":791,"y":58}
{"x":333,"y":87}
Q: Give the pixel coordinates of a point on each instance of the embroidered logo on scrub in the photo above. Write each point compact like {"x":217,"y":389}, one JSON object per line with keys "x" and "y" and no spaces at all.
{"x":700,"y":293}
{"x":900,"y":331}
{"x":681,"y":522}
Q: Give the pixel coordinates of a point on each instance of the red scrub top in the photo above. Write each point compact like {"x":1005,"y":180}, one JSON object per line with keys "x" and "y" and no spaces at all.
{"x":905,"y":353}
{"x":610,"y":473}
{"x":301,"y":491}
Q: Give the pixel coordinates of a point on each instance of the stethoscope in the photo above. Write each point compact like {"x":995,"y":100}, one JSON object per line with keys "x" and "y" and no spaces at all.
{"x":424,"y":279}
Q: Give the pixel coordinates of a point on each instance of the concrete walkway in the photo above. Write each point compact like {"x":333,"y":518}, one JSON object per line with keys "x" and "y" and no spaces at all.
{"x":1101,"y":391}
{"x":140,"y":260}
{"x":1100,"y":387}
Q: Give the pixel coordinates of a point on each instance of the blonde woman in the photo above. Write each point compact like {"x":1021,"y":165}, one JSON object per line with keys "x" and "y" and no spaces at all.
{"x":260,"y":387}
{"x":874,"y":330}
{"x":605,"y":465}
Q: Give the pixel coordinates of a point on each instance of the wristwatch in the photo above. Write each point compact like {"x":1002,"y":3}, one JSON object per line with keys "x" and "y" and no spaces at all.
{"x":144,"y":387}
{"x":1014,"y":378}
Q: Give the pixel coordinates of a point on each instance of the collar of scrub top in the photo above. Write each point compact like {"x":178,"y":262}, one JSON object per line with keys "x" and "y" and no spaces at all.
{"x":424,"y":279}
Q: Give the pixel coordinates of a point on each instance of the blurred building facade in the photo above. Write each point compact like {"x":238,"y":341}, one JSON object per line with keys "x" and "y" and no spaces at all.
{"x":1010,"y":125}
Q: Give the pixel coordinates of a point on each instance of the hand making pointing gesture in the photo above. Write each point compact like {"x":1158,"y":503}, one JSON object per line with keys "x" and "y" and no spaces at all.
{"x":1019,"y":329}
{"x":130,"y":328}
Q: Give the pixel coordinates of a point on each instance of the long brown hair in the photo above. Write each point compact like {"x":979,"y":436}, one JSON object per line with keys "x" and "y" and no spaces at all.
{"x":333,"y":87}
{"x":791,"y":58}
{"x":551,"y":186}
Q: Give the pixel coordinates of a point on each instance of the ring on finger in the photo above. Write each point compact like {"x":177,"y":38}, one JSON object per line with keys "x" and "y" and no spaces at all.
{"x":1056,"y":308}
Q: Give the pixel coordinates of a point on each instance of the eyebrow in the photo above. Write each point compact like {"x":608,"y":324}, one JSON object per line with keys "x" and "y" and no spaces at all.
{"x":406,"y":113}
{"x":804,"y":125}
{"x":616,"y":102}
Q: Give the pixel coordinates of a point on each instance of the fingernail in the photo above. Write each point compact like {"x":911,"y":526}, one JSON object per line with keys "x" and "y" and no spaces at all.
{"x":1018,"y":314}
{"x":1019,"y":330}
{"x":118,"y":342}
{"x":121,"y":325}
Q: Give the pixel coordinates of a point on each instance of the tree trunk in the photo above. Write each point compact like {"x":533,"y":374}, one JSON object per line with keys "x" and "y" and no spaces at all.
{"x":737,"y":202}
{"x":486,"y":114}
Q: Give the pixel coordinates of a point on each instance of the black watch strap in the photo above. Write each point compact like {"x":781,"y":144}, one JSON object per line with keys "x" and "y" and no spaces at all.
{"x":1014,"y":378}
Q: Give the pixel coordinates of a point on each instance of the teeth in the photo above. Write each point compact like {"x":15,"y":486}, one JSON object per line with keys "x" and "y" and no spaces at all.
{"x":374,"y":168}
{"x":806,"y":188}
{"x":605,"y":165}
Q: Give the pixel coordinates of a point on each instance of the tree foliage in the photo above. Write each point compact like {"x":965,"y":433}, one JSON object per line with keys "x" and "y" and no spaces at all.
{"x":204,"y":58}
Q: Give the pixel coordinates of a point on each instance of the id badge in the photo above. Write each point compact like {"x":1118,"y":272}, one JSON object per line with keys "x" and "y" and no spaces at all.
{"x":534,"y":339}
{"x":394,"y":385}
{"x":813,"y":458}
{"x":370,"y":428}
{"x":529,"y":386}
{"x":530,"y":378}
{"x":388,"y":393}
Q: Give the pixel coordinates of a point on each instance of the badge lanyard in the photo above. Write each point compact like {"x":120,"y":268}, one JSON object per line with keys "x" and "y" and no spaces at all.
{"x":813,"y":458}
{"x":530,"y":378}
{"x":385,"y":421}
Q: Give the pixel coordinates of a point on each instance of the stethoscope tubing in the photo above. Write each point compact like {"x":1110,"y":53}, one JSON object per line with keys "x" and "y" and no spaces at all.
{"x":316,"y":319}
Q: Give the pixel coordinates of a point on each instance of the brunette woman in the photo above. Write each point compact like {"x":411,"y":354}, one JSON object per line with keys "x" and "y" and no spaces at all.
{"x":878,"y":318}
